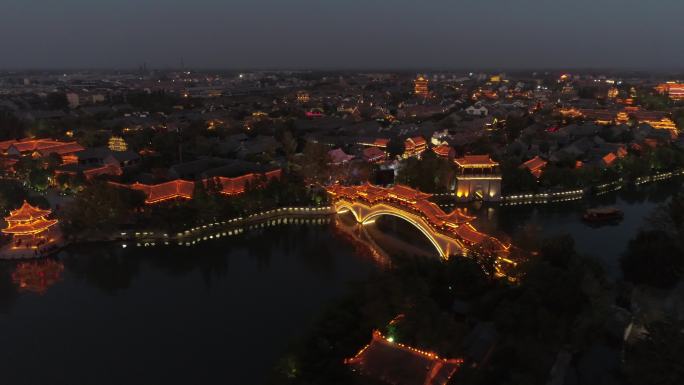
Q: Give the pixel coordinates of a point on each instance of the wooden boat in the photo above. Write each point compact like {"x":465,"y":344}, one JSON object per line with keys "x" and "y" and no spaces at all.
{"x":603,"y":214}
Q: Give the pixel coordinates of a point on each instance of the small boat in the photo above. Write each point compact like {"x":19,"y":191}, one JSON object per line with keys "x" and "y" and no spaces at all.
{"x":603,"y":214}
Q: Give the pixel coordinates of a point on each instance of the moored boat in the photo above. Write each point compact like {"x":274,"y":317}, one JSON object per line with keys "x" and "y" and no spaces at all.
{"x":603,"y":214}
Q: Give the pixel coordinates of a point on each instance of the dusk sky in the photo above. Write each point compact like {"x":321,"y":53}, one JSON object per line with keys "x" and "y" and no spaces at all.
{"x":356,"y":34}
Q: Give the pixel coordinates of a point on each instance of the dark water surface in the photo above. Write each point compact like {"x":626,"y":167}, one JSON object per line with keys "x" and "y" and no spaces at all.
{"x":221,"y":312}
{"x":224,"y":311}
{"x":605,"y":242}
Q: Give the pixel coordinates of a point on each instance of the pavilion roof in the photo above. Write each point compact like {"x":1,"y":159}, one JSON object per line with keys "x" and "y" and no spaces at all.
{"x":26,"y":213}
{"x":35,"y":226}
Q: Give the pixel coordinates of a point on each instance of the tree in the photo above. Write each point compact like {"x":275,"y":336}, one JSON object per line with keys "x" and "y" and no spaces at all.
{"x":38,"y":178}
{"x":516,"y":179}
{"x":53,"y":160}
{"x":100,"y":208}
{"x":515,"y":123}
{"x":653,"y":258}
{"x":289,"y":143}
{"x":428,"y":174}
{"x":656,"y":256}
{"x":11,"y":194}
{"x":395,"y":147}
{"x":656,"y":359}
{"x":315,"y":163}
{"x":57,"y":101}
{"x":11,"y":127}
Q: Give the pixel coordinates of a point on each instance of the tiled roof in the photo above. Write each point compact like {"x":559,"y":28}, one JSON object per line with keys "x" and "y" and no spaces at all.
{"x":535,"y":165}
{"x":609,"y":158}
{"x":373,"y":154}
{"x":164,"y":191}
{"x":234,"y":186}
{"x":399,"y":364}
{"x":27,"y":212}
{"x":184,"y":189}
{"x":476,"y":160}
{"x":44,"y":146}
{"x":338,"y":156}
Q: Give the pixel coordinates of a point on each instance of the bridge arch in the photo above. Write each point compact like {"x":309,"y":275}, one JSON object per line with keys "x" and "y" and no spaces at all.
{"x":421,"y":227}
{"x":343,"y":207}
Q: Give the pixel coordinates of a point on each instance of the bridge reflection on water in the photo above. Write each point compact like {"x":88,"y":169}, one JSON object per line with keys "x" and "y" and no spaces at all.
{"x":384,"y":238}
{"x":451,"y":234}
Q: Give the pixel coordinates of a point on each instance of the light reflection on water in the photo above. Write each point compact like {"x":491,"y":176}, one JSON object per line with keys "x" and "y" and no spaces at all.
{"x":224,"y":309}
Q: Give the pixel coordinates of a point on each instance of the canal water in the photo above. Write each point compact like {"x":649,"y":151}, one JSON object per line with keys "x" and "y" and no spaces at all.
{"x":525,"y":224}
{"x":221,"y":312}
{"x":225,"y":310}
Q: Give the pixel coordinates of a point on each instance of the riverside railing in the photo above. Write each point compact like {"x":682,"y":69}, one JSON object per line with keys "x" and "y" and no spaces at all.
{"x":226,"y":228}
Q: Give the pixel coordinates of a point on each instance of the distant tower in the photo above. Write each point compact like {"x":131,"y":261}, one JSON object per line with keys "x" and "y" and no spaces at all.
{"x":420,"y":86}
{"x":613,"y":93}
{"x":303,"y":97}
{"x":117,"y":143}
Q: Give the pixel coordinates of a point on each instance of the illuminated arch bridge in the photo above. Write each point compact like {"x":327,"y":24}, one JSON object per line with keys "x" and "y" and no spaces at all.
{"x":450,"y":234}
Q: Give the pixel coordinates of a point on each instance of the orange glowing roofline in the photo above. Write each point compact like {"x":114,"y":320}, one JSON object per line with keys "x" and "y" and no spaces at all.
{"x":436,"y":364}
{"x":184,"y":189}
{"x":27,"y":220}
{"x":475,"y":161}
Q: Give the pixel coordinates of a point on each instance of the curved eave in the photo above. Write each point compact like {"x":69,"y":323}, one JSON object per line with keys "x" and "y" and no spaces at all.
{"x":28,"y":230}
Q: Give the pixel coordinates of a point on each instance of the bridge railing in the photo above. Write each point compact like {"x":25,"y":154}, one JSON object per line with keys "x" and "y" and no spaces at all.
{"x":437,"y":228}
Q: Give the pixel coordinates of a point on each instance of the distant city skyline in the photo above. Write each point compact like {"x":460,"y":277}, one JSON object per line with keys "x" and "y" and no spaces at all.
{"x":354,"y":34}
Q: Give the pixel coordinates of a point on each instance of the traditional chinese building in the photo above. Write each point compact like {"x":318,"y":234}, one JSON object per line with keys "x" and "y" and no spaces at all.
{"x":420,"y":87}
{"x":444,"y":150}
{"x":391,"y":362}
{"x":180,"y":189}
{"x":117,"y":143}
{"x":613,"y":92}
{"x":478,"y":178}
{"x":303,"y":97}
{"x":535,"y":165}
{"x":374,"y":154}
{"x":414,"y":146}
{"x":378,"y":142}
{"x":172,"y":190}
{"x":673,"y":90}
{"x":39,"y":148}
{"x":30,"y":229}
{"x":238,"y":185}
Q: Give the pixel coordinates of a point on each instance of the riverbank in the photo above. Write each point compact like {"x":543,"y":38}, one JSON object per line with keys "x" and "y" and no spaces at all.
{"x":583,"y":193}
{"x":199,"y":233}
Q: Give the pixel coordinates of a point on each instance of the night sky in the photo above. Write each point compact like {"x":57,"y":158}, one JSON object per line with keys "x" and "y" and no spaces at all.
{"x":355,"y":34}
